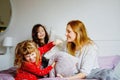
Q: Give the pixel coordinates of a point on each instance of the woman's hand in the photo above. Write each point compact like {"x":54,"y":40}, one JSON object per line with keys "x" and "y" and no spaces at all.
{"x":59,"y":75}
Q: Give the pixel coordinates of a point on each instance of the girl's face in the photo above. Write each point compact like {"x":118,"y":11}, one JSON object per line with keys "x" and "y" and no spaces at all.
{"x":70,"y":34}
{"x":31,"y":57}
{"x":41,"y":33}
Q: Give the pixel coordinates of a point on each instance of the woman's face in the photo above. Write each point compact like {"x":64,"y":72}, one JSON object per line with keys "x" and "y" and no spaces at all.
{"x":31,"y":57}
{"x":41,"y":33}
{"x":70,"y":34}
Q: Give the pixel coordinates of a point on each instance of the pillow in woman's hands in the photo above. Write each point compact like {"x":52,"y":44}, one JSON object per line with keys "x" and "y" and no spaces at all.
{"x":66,"y":64}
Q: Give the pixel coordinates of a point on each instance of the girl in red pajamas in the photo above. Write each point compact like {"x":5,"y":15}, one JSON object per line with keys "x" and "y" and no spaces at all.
{"x":28,"y":60}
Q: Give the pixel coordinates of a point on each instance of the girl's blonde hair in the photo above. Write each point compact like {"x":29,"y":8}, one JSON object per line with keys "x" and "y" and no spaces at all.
{"x":23,"y":48}
{"x":81,"y":36}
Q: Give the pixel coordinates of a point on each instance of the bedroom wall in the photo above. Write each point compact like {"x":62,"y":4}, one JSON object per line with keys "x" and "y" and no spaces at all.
{"x":101,"y":18}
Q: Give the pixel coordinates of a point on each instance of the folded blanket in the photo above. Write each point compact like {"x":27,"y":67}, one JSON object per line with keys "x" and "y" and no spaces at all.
{"x":102,"y":74}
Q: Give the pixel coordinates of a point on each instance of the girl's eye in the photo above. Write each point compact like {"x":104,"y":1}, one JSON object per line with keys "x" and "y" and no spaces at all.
{"x":27,"y":55}
{"x":29,"y":47}
{"x":32,"y":54}
{"x":38,"y":32}
{"x":41,"y":31}
{"x":24,"y":49}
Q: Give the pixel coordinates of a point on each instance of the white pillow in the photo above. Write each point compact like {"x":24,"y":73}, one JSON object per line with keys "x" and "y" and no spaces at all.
{"x":66,"y":64}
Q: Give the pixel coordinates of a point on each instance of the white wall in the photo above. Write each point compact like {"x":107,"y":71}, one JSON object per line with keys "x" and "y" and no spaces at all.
{"x":101,"y":18}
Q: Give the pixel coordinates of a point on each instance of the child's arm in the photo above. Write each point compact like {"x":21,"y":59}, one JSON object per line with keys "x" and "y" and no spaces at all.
{"x":48,"y":46}
{"x":32,"y":68}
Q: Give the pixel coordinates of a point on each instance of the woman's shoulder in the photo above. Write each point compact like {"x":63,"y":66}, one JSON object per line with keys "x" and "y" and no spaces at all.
{"x":91,"y":46}
{"x":90,"y":49}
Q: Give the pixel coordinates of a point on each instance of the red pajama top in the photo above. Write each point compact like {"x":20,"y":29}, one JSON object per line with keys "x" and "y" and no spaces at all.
{"x":30,"y":71}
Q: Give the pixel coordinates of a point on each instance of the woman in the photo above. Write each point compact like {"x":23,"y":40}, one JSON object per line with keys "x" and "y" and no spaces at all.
{"x":82,"y":47}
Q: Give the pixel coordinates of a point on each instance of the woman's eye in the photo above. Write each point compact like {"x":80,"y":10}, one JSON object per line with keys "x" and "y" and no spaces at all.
{"x":68,"y":31}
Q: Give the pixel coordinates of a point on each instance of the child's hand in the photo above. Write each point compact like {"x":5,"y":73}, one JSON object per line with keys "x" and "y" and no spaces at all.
{"x":57,"y":42}
{"x":53,"y":64}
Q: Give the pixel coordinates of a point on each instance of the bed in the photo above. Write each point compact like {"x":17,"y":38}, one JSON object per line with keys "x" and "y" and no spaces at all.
{"x":105,"y":62}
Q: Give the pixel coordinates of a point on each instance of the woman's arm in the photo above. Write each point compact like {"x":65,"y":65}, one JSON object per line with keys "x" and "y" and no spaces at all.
{"x":88,"y":61}
{"x":77,"y":76}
